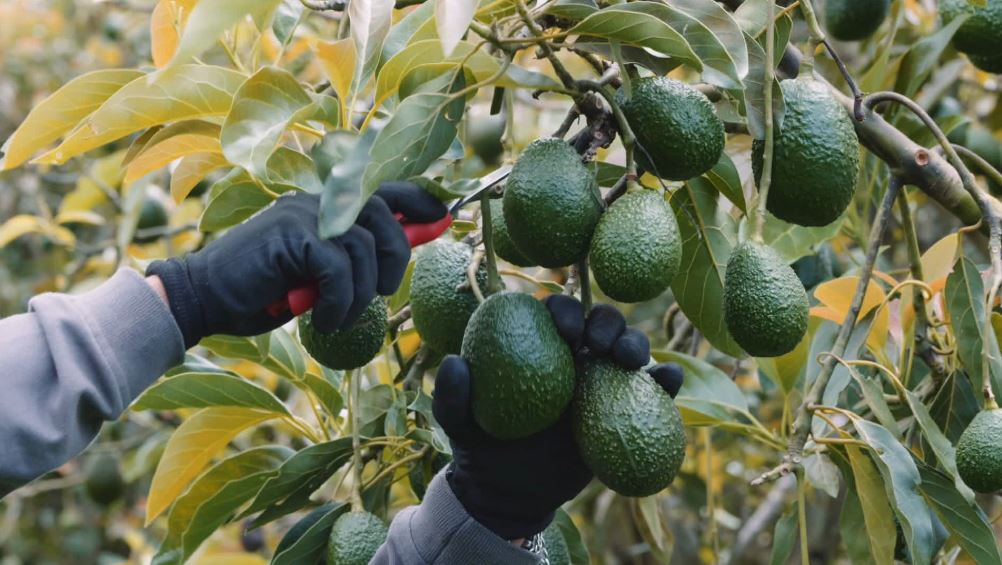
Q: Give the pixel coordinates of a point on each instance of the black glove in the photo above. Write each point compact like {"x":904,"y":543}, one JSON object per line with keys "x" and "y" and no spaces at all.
{"x":227,"y":286}
{"x":514,"y":487}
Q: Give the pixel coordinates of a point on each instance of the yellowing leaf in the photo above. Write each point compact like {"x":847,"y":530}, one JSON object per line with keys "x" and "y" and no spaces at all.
{"x":452,"y":18}
{"x":219,"y":558}
{"x":104,"y":175}
{"x":338,"y":60}
{"x":393,"y":72}
{"x":210,"y":18}
{"x":195,"y":442}
{"x":191,"y":171}
{"x":62,"y":111}
{"x":837,"y":295}
{"x":172,"y":143}
{"x":24,"y":224}
{"x":191,"y":91}
{"x":938,"y":260}
{"x":80,"y":217}
{"x":163,"y":33}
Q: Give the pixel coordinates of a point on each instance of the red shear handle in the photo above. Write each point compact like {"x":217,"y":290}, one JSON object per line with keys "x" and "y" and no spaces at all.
{"x":300,"y":300}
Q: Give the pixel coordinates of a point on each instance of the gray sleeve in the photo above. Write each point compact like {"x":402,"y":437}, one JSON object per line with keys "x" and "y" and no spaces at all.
{"x":440,"y":532}
{"x":73,"y":362}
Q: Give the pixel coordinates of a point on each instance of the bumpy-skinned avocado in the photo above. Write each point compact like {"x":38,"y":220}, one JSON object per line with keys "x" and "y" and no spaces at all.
{"x":483,"y":135}
{"x":765,"y":305}
{"x":521,"y":370}
{"x":852,"y":20}
{"x":439,"y":309}
{"x":987,"y":63}
{"x":627,"y":428}
{"x":504,"y":247}
{"x":815,"y":158}
{"x":103,"y":480}
{"x":355,"y":539}
{"x":349,"y":348}
{"x":678,"y":132}
{"x":981,"y":34}
{"x":551,"y":204}
{"x":556,"y":546}
{"x":636,"y":249}
{"x":979,"y":452}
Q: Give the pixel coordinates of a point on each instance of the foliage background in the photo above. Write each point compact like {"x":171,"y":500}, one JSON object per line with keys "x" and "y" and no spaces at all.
{"x":80,"y":220}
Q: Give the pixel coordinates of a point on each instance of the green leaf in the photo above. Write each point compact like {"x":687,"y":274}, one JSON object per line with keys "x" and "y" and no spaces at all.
{"x":708,"y":236}
{"x":576,"y":547}
{"x":708,"y":396}
{"x":923,"y":56}
{"x":792,"y":241}
{"x":370,"y":24}
{"x":725,"y":178}
{"x":233,"y":347}
{"x":784,"y":536}
{"x":629,"y":24}
{"x":285,"y":355}
{"x":574,"y":10}
{"x":634,"y":55}
{"x":874,"y":510}
{"x":188,"y":92}
{"x":452,"y":18}
{"x":753,"y":95}
{"x":201,"y":390}
{"x":286,"y":19}
{"x":954,"y":406}
{"x":342,"y":198}
{"x":298,"y":478}
{"x":210,"y":19}
{"x":326,"y":393}
{"x":267,"y":103}
{"x":306,"y":542}
{"x":965,"y":298}
{"x":214,"y":497}
{"x":239,"y":198}
{"x":941,"y":446}
{"x":420,"y":131}
{"x":61,"y":112}
{"x":401,"y":33}
{"x":873,"y":393}
{"x":901,"y":482}
{"x":650,"y":523}
{"x":289,"y":169}
{"x":962,"y":517}
{"x":822,"y":473}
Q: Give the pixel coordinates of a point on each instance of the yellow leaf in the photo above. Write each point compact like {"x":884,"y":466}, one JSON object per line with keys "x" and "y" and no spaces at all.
{"x":61,"y":111}
{"x":195,"y":442}
{"x":393,"y":72}
{"x":338,"y":59}
{"x":24,"y":224}
{"x":80,"y":217}
{"x":163,"y":33}
{"x":837,"y":296}
{"x":172,"y":143}
{"x":220,"y":558}
{"x":191,"y":171}
{"x":106,"y":172}
{"x":938,"y":260}
{"x":189,"y":92}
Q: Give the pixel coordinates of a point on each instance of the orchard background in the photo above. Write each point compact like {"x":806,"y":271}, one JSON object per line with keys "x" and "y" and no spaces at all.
{"x":166,"y":129}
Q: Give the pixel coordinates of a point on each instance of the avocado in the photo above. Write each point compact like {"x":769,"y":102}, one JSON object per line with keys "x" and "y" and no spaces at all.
{"x":765,"y":304}
{"x":987,"y":63}
{"x":853,"y":20}
{"x":483,"y":135}
{"x":556,"y":546}
{"x":679,"y":135}
{"x":355,"y":538}
{"x":152,"y":215}
{"x":815,"y":157}
{"x":627,"y":428}
{"x":103,"y":479}
{"x":504,"y":247}
{"x":551,"y":204}
{"x":521,"y":370}
{"x":439,"y":309}
{"x":981,"y":34}
{"x":349,"y":348}
{"x":636,"y":250}
{"x":979,"y":452}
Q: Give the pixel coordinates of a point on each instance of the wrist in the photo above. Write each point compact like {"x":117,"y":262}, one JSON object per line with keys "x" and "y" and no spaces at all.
{"x":179,"y":294}
{"x":157,"y":285}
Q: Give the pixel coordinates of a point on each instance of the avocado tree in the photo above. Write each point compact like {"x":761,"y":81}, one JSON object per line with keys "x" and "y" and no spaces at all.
{"x":793,"y":200}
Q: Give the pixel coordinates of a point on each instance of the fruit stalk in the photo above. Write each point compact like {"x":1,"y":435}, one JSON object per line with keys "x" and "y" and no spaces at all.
{"x":817,"y":35}
{"x":802,"y":423}
{"x":493,"y":278}
{"x":770,"y":76}
{"x":354,"y":378}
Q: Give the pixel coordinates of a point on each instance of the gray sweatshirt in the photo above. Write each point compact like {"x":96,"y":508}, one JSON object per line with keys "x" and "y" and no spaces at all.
{"x":75,"y":361}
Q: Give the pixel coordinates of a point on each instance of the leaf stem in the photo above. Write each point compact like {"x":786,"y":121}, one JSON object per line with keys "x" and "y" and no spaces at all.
{"x":765,"y":181}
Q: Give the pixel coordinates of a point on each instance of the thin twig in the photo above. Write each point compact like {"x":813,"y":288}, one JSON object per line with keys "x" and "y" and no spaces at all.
{"x":400,"y":317}
{"x":765,"y":180}
{"x":857,"y":94}
{"x":471,"y":274}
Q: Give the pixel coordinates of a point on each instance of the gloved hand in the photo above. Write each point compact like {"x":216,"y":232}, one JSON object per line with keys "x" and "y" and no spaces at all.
{"x":514,"y":487}
{"x":227,"y":286}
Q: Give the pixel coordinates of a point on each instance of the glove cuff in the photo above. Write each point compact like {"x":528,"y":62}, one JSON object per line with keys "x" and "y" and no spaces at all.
{"x":508,"y":518}
{"x":184,"y":303}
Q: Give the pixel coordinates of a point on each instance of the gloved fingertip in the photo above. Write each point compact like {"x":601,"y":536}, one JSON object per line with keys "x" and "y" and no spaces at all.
{"x":409,"y":199}
{"x":631,"y":350}
{"x":328,"y":317}
{"x":451,"y":398}
{"x":670,"y":376}
{"x":604,"y":326}
{"x":568,"y":316}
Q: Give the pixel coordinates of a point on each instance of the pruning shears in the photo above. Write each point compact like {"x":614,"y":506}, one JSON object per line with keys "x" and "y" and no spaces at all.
{"x":301,"y":299}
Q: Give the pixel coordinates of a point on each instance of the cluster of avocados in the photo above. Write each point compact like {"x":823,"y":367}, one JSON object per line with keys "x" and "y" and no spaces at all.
{"x":980,"y":36}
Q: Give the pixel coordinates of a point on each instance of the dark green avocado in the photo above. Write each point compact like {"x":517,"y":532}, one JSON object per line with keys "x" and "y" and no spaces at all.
{"x":981,"y":34}
{"x":636,"y":250}
{"x":551,"y":204}
{"x":679,"y":135}
{"x":103,"y":479}
{"x":355,"y":539}
{"x":504,"y":247}
{"x":349,"y":348}
{"x":522,"y":371}
{"x":556,"y":546}
{"x":852,"y":20}
{"x":627,"y":428}
{"x":439,"y":309}
{"x":979,"y":452}
{"x":765,"y":304}
{"x":815,"y":158}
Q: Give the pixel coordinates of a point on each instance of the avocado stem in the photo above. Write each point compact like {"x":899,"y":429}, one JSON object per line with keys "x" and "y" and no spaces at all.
{"x":765,"y":181}
{"x":494,"y":283}
{"x":353,"y":378}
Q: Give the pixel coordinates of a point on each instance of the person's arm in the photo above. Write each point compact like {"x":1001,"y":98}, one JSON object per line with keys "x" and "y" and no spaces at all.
{"x":73,"y":362}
